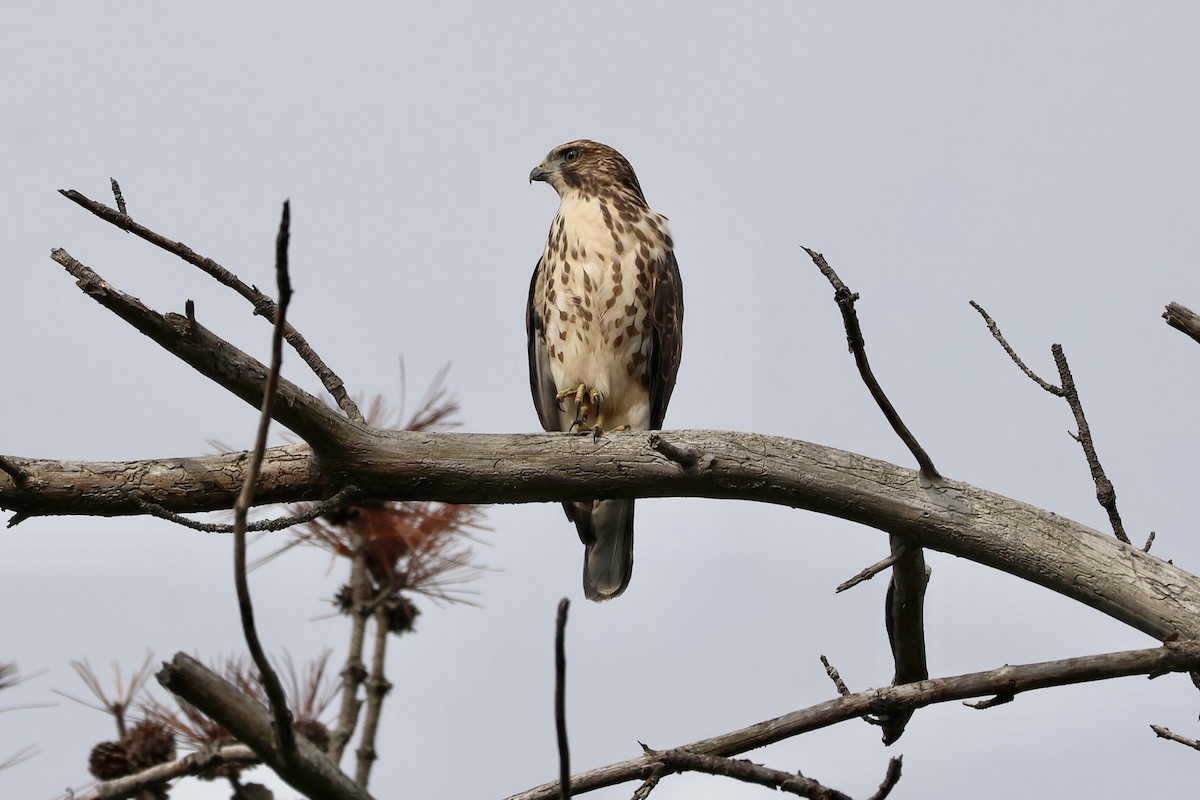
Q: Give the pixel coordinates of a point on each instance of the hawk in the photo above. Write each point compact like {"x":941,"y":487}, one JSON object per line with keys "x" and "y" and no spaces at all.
{"x":605,"y":329}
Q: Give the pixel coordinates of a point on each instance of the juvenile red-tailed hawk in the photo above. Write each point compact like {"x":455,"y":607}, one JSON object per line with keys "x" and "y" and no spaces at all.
{"x":605,"y":326}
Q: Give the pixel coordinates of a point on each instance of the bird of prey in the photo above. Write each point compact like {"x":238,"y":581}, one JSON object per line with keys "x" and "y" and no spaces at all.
{"x":605,"y":329}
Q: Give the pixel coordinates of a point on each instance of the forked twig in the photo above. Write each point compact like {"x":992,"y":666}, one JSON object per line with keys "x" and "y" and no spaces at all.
{"x":263,"y":305}
{"x":1106,"y":494}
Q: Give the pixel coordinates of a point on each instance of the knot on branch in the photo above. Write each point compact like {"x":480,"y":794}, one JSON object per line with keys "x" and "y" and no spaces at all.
{"x":685,"y":455}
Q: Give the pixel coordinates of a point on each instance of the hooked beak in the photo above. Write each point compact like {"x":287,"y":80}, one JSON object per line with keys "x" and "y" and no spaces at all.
{"x":539,"y":173}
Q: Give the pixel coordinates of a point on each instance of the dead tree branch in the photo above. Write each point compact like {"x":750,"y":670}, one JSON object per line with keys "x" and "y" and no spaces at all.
{"x":1166,"y":733}
{"x":904,"y":604}
{"x":191,"y":764}
{"x":1182,"y":318}
{"x":263,"y":306}
{"x":749,"y":772}
{"x":560,"y":699}
{"x":285,"y":739}
{"x":310,"y":772}
{"x":1106,"y":494}
{"x":1031,"y":543}
{"x":1005,"y":680}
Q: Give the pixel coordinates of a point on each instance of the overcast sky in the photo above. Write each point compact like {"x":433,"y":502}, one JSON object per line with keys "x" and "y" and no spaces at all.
{"x":1038,"y":158}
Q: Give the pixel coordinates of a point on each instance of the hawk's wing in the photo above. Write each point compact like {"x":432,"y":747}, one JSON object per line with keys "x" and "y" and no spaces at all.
{"x":541,"y":384}
{"x":666,"y":331}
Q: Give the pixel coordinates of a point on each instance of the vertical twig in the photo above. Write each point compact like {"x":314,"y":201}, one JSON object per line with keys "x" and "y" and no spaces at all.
{"x":560,"y":700}
{"x":355,"y":671}
{"x":281,"y":717}
{"x":378,"y":687}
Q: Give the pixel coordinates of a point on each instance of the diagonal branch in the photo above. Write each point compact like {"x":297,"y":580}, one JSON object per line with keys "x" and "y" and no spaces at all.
{"x":310,"y":772}
{"x":845,"y":300}
{"x":1106,"y":494}
{"x":1009,"y":679}
{"x":210,"y":355}
{"x":263,"y":306}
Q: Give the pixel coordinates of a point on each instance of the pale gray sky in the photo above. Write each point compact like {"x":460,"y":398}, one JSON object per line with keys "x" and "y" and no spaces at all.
{"x":1038,"y":158}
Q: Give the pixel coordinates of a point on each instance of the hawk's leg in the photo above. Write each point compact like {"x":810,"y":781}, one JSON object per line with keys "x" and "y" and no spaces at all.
{"x":587,"y":405}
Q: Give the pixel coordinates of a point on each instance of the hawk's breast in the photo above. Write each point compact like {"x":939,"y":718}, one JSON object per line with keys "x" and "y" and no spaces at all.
{"x":595,"y":300}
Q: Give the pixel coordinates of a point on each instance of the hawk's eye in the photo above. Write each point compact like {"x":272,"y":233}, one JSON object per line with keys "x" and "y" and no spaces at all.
{"x":571,"y":154}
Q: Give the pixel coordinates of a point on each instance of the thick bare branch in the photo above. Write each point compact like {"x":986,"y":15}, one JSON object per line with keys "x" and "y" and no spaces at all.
{"x":311,"y":772}
{"x":263,"y":305}
{"x":1182,"y":318}
{"x":957,"y":518}
{"x":1008,"y":679}
{"x":211,"y":356}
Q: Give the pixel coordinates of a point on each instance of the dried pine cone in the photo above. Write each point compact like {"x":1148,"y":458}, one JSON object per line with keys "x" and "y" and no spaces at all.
{"x":401,"y":614}
{"x":109,"y":760}
{"x":149,"y":743}
{"x":314,"y":731}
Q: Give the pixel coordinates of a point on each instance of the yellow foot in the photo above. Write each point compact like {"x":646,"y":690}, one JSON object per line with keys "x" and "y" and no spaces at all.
{"x":587,"y":404}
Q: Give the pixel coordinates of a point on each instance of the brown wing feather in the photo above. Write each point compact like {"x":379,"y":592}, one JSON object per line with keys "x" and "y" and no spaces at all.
{"x":666,"y":328}
{"x":545,"y":396}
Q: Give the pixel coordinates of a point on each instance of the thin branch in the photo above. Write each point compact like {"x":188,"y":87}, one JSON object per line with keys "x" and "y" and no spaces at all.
{"x":378,"y":687}
{"x":746,"y":772}
{"x":845,"y":300}
{"x":195,"y":763}
{"x":868,"y":573}
{"x":1182,"y":318}
{"x":1174,"y":657}
{"x":263,"y":305}
{"x":1149,"y":541}
{"x":995,"y":329}
{"x":284,"y":736}
{"x":1166,"y":733}
{"x":1106,"y":494}
{"x":890,"y":779}
{"x":120,"y":198}
{"x":836,"y":677}
{"x":560,"y":699}
{"x":343,"y":497}
{"x":355,"y":671}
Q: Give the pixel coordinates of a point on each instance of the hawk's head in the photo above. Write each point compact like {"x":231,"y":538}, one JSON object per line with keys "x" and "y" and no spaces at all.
{"x":589,"y":168}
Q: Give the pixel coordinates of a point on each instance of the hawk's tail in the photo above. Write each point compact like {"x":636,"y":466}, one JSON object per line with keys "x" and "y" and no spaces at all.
{"x":606,"y":528}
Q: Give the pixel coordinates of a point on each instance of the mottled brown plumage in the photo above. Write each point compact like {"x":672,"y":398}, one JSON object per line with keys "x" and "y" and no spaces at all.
{"x":605,"y":328}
